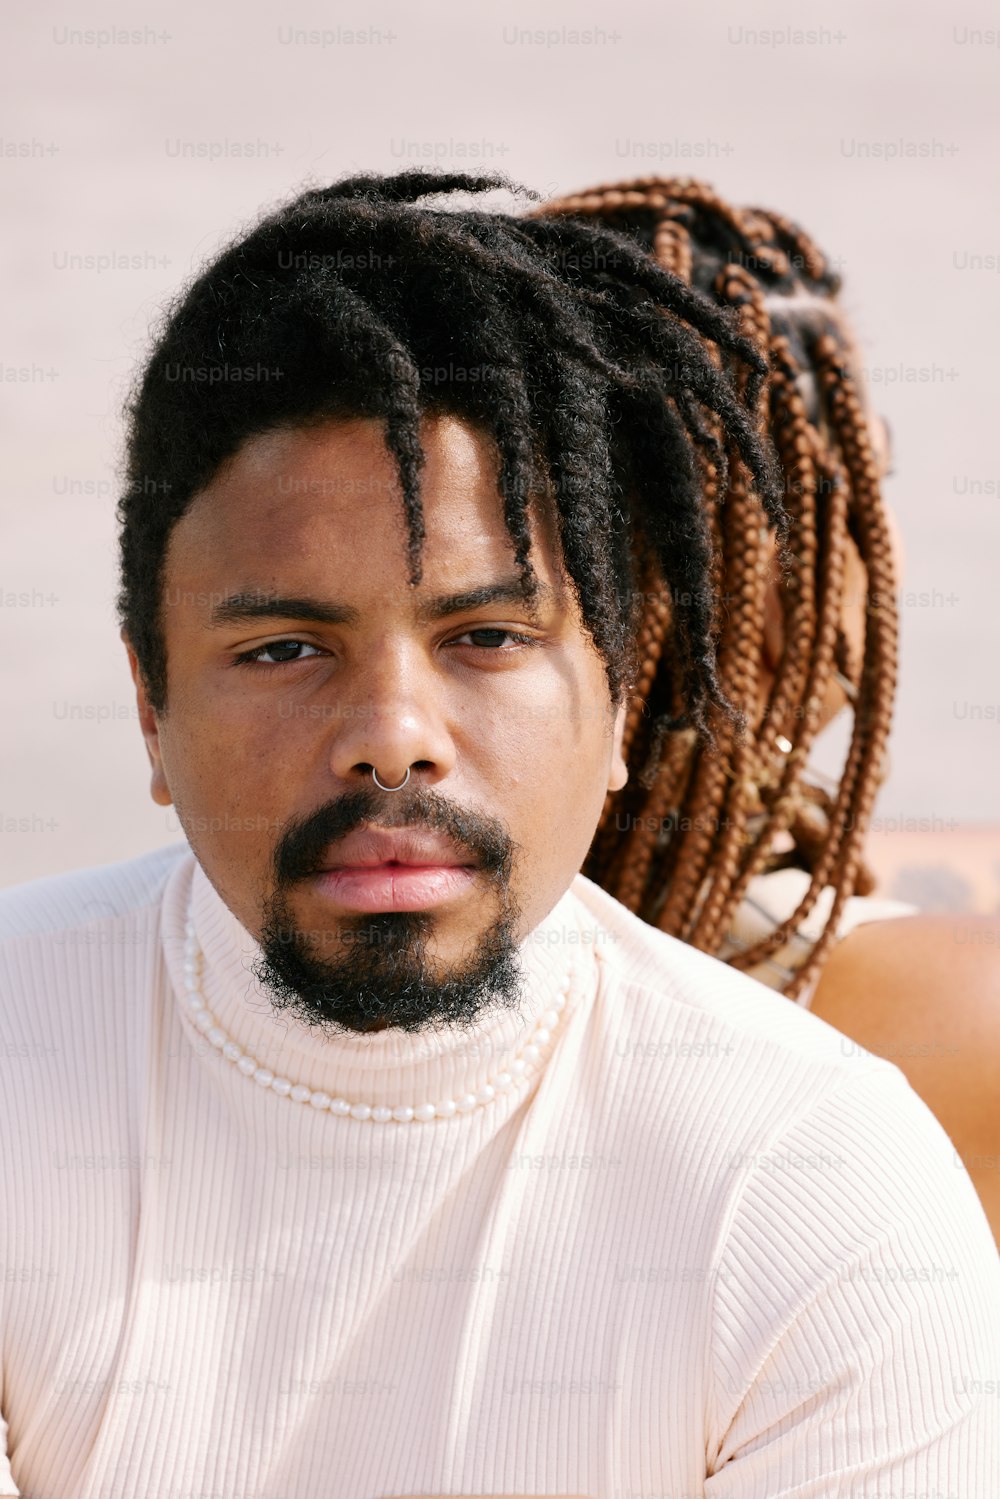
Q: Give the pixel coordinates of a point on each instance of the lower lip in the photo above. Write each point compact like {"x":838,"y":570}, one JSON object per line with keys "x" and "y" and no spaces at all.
{"x":395,"y":887}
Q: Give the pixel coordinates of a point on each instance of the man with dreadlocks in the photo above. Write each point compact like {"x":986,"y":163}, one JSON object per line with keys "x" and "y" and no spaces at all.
{"x":376,"y":1149}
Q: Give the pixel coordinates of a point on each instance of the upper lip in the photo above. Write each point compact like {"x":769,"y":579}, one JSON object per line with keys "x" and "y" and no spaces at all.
{"x":367,"y":847}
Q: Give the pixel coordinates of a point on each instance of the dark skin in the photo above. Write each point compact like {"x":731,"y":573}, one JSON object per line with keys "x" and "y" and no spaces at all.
{"x":519,"y":738}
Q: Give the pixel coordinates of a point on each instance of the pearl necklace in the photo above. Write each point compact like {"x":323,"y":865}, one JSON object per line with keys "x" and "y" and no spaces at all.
{"x":524,"y":1063}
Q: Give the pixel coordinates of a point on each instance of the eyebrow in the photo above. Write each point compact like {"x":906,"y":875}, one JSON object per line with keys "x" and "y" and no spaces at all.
{"x":239,"y":608}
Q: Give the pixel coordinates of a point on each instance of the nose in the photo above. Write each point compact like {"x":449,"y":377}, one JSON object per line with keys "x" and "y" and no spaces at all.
{"x":390,"y":717}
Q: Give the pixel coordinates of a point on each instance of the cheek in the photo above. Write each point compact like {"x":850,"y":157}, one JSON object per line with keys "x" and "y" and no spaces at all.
{"x":221,"y":769}
{"x":548,"y":755}
{"x":571,"y":776}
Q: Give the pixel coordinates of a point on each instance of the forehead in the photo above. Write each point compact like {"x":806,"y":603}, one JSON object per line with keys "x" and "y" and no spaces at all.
{"x":329,"y":494}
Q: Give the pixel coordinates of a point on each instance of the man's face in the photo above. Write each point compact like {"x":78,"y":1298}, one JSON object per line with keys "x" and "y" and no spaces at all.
{"x":511,"y":746}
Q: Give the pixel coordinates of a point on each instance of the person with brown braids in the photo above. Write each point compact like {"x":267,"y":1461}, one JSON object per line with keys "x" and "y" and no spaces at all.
{"x":363,"y":1143}
{"x":752,"y":858}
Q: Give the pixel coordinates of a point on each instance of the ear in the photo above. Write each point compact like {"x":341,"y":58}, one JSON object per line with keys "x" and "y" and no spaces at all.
{"x":618,"y":774}
{"x":158,"y":788}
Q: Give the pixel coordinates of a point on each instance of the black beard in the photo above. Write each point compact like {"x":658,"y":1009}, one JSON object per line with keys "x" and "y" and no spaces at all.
{"x":384,"y":979}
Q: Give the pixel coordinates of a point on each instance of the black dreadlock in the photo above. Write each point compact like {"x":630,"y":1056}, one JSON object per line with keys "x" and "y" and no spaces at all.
{"x":604,"y":380}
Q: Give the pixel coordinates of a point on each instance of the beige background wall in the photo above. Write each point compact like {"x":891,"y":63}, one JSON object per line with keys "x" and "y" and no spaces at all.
{"x":873,"y":124}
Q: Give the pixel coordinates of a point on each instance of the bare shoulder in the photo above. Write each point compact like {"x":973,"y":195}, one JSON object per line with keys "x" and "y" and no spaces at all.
{"x":924,"y":992}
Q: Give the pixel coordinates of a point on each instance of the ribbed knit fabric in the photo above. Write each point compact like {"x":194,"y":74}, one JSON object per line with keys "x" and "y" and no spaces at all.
{"x":708,"y":1249}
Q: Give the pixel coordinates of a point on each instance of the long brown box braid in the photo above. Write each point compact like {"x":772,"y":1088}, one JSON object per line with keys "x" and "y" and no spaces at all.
{"x":679,"y":844}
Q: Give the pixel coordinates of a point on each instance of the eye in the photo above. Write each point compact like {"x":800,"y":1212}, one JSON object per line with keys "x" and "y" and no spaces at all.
{"x":273,"y":647}
{"x":293,"y":648}
{"x":522,"y":640}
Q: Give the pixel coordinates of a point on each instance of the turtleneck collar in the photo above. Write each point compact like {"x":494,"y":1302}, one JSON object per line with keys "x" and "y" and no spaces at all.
{"x":387,"y":1067}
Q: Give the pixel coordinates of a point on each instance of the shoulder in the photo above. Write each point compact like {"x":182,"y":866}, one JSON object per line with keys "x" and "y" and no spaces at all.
{"x":923,"y":992}
{"x":857,"y":1271}
{"x":688,"y":1038}
{"x":691,"y":989}
{"x":676,"y":1027}
{"x":78,"y":962}
{"x":933,"y":981}
{"x":796,"y":1151}
{"x":81,"y":897}
{"x":72,"y":934}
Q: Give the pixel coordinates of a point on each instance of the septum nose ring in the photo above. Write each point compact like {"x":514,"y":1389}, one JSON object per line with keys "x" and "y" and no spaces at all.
{"x":391,"y":788}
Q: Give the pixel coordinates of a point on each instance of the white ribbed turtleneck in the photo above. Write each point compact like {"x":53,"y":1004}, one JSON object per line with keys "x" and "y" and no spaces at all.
{"x":710,"y":1248}
{"x":385,"y":1067}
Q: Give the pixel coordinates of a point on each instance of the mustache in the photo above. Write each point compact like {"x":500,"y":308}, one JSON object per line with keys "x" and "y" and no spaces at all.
{"x":306,"y":840}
